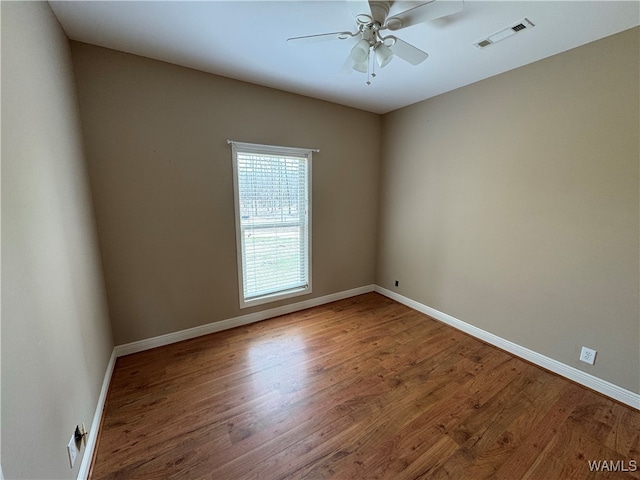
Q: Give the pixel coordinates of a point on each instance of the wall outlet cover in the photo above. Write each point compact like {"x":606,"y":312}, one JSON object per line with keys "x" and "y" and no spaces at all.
{"x":588,"y":355}
{"x":72,"y":450}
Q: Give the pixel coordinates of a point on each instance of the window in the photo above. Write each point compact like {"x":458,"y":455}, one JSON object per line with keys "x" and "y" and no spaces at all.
{"x":273,"y":221}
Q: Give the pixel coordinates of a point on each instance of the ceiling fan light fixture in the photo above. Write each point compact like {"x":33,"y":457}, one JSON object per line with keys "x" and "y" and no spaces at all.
{"x":360,"y":51}
{"x":383,"y":55}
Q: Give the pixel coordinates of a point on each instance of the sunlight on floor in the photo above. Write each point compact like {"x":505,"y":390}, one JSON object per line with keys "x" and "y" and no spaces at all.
{"x":278,"y":363}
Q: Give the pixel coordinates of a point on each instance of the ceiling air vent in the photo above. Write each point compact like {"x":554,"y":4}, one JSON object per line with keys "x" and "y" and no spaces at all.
{"x":505,"y":33}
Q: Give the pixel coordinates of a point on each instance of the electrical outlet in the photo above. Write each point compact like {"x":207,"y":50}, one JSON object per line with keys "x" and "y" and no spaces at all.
{"x":397,"y":283}
{"x":76,"y":442}
{"x":588,"y":355}
{"x":72,"y":450}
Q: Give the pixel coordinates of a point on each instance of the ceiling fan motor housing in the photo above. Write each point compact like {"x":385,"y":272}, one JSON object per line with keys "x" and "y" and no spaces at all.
{"x":379,"y":11}
{"x":369,"y":30}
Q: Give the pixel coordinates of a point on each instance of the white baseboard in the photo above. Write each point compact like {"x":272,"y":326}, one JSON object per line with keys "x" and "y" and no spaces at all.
{"x":213,"y":327}
{"x":92,"y":435}
{"x":602,"y":386}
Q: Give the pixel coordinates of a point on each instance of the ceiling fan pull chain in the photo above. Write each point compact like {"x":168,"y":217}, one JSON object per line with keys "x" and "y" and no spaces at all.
{"x":368,"y":82}
{"x":372,"y":61}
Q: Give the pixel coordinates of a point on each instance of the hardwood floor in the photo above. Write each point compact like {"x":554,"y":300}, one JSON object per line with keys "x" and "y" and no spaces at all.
{"x":360,"y":388}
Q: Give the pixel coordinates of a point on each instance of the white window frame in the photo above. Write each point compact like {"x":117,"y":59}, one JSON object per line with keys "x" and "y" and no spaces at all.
{"x":269,"y":150}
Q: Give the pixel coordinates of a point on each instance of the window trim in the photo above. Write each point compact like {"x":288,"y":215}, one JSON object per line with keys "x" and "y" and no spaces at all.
{"x":270,"y":150}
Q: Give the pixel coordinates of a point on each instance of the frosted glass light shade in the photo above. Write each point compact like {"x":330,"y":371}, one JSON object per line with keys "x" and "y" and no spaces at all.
{"x":383,"y":55}
{"x":360,"y":51}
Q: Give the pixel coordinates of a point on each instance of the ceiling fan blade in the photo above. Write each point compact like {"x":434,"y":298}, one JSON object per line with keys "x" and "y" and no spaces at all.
{"x":423,"y":13}
{"x":320,"y":38}
{"x":360,"y":8}
{"x":407,"y":52}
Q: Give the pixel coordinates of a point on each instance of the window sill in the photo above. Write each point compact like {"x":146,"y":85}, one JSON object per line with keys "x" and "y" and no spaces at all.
{"x":274,"y":297}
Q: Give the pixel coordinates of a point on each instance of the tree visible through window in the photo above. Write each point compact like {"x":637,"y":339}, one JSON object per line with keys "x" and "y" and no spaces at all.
{"x":273,"y":211}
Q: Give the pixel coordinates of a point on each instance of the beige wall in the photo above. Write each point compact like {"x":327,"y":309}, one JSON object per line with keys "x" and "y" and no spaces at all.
{"x":512,"y":204}
{"x":56,"y":338}
{"x":162,"y":186}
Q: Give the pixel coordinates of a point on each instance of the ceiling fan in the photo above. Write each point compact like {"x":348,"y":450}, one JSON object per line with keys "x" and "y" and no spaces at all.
{"x":371,"y":46}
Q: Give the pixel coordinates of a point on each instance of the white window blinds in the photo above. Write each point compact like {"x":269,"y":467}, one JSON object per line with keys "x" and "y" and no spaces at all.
{"x":273,"y":211}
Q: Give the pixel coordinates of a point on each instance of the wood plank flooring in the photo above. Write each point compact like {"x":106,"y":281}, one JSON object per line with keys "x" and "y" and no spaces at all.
{"x":357,"y":389}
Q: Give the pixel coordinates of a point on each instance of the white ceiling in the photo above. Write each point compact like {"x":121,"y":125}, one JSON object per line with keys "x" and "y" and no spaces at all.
{"x":246,"y":40}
